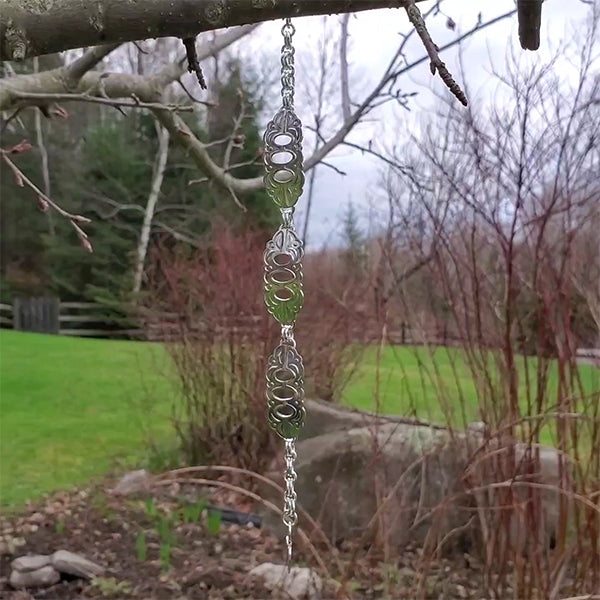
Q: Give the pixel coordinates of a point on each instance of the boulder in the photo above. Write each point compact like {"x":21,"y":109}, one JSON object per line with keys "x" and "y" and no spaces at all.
{"x":31,"y":562}
{"x":325,"y":417}
{"x":75,"y":564}
{"x":44,"y":577}
{"x":339,"y":473}
{"x":299,"y":583}
{"x":135,"y":482}
{"x":345,"y":470}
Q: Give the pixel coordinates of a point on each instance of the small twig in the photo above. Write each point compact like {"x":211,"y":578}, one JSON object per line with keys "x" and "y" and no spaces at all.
{"x":436,"y":63}
{"x":334,"y":168}
{"x":44,"y":201}
{"x":178,"y":235}
{"x":209,"y":103}
{"x":85,"y":97}
{"x":234,"y":141}
{"x":193,"y":65}
{"x":138,"y":45}
{"x":369,"y":150}
{"x":197,"y":181}
{"x":246,"y":163}
{"x":236,"y":199}
{"x":13,"y":116}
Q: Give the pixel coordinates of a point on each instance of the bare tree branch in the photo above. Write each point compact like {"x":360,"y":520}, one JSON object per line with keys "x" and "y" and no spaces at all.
{"x":415,"y":17}
{"x":148,"y":91}
{"x":35,"y":99}
{"x":108,"y":85}
{"x":88,"y":61}
{"x":182,"y":134}
{"x":390,"y":75}
{"x":44,"y":200}
{"x":192,"y":60}
{"x":28,"y":30}
{"x":192,"y":97}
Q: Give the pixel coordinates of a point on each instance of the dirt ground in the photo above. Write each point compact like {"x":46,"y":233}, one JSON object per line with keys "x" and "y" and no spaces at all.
{"x":206,"y":560}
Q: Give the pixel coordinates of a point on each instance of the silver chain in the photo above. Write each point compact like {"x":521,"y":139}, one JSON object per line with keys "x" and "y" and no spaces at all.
{"x":287,"y":64}
{"x":290,"y":518}
{"x":284,"y":179}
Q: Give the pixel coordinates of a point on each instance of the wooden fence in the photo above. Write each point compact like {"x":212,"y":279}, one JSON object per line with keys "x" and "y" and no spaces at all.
{"x":50,"y":315}
{"x":90,"y":319}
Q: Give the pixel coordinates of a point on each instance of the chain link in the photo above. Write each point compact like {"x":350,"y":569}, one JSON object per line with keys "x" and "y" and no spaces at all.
{"x":287,"y":335}
{"x":290,"y":517}
{"x":287,"y":64}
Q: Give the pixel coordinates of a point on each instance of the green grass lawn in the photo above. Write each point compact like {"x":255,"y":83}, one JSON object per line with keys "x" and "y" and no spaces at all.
{"x":72,"y":409}
{"x":410,"y":381}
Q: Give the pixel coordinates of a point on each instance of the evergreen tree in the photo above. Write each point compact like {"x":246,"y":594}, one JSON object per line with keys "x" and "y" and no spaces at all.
{"x":354,"y":240}
{"x":101,"y":167}
{"x":237,"y":97}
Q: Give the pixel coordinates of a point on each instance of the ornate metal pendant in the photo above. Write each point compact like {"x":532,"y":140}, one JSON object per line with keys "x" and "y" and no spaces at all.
{"x":284,"y":179}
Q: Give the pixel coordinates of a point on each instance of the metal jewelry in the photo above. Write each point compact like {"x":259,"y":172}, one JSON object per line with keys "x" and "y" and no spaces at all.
{"x":284,"y":179}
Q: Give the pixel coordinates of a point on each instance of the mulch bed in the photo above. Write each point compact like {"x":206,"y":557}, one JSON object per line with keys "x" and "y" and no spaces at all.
{"x":204,"y":565}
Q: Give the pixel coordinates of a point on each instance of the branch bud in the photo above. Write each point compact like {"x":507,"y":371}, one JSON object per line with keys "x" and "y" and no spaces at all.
{"x":43,"y":204}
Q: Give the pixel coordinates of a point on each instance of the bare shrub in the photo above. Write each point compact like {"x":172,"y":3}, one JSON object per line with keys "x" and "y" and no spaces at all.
{"x":331,"y":325}
{"x":208,"y":307}
{"x":504,"y":206}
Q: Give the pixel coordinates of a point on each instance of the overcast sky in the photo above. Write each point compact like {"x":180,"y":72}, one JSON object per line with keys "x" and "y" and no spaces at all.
{"x":373,"y":40}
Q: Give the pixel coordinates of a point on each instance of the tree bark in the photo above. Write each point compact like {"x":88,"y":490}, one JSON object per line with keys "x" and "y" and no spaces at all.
{"x":157,"y":179}
{"x":35,"y":27}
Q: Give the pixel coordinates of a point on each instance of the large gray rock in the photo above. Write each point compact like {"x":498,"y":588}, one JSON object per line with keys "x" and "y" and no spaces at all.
{"x":31,"y":562}
{"x":325,"y":417}
{"x":75,"y":564}
{"x":344,"y":471}
{"x":44,"y":577}
{"x":135,"y":482}
{"x":299,"y":583}
{"x":341,"y":479}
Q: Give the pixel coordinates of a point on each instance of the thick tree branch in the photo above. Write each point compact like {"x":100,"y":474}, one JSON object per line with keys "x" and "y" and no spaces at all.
{"x":21,"y":90}
{"x":146,"y":92}
{"x":182,"y":134}
{"x":30,"y":28}
{"x":77,"y":69}
{"x":39,"y":134}
{"x":149,"y":90}
{"x":74,"y":80}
